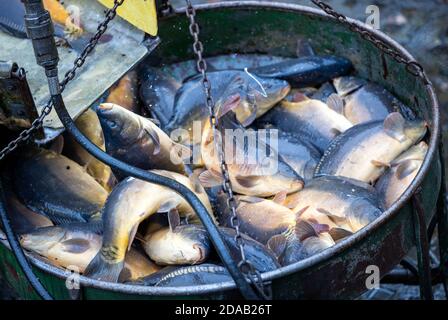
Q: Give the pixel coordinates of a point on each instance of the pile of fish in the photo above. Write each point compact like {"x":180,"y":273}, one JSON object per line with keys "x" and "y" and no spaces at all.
{"x":339,"y":151}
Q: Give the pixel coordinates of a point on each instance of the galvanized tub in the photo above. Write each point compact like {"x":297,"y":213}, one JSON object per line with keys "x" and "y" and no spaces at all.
{"x":274,"y":28}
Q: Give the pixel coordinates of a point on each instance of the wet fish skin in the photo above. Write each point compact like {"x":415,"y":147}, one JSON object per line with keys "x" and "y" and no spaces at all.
{"x":309,"y":119}
{"x":24,"y":220}
{"x":138,"y":141}
{"x":337,"y":202}
{"x":366,"y":150}
{"x":157,"y":92}
{"x":298,"y":153}
{"x":57,"y":187}
{"x":89,"y":124}
{"x":306,"y":71}
{"x":364,"y":101}
{"x":206,"y":273}
{"x":189,"y":100}
{"x":259,"y":218}
{"x":324,"y":91}
{"x":249,"y":176}
{"x":394,"y":182}
{"x":76,"y":245}
{"x":131,"y":202}
{"x":186,"y":244}
{"x":262,"y":258}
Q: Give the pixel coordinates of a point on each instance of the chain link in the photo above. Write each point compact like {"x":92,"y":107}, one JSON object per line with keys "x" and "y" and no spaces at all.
{"x":244,"y":265}
{"x":413,"y":67}
{"x":26,"y":134}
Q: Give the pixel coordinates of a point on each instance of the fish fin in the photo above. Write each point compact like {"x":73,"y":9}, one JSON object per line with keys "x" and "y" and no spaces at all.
{"x":197,"y":187}
{"x":320,"y":227}
{"x":250,"y":199}
{"x":210,"y":178}
{"x":314,"y":245}
{"x":229,"y":104}
{"x":339,"y":233}
{"x":173,"y":219}
{"x":277,"y":244}
{"x":247,"y":181}
{"x":406,"y":168}
{"x":57,"y":145}
{"x":303,"y":229}
{"x":251,"y":118}
{"x":335,"y":131}
{"x":183,"y":152}
{"x":100,"y":269}
{"x":336,"y":219}
{"x":75,"y":245}
{"x":299,"y":97}
{"x":394,"y":126}
{"x":335,"y":103}
{"x":280,"y":197}
{"x":168,"y":205}
{"x":132,"y":235}
{"x":154,"y":136}
{"x":380,"y":164}
{"x":301,"y":211}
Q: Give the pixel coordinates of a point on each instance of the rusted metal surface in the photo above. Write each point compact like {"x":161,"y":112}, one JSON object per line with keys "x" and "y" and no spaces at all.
{"x":340,"y":271}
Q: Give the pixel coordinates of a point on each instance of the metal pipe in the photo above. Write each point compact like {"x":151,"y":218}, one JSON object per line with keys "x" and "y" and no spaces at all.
{"x":222,"y":249}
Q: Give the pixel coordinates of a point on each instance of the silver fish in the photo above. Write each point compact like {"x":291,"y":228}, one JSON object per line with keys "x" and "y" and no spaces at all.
{"x":178,"y":244}
{"x":255,"y":168}
{"x":131,"y":202}
{"x":337,"y":202}
{"x":309,"y":119}
{"x":366,"y":150}
{"x":89,"y":124}
{"x":57,"y":187}
{"x":138,"y":141}
{"x":361,"y":101}
{"x":401,"y":173}
{"x":76,"y":245}
{"x":256,"y":96}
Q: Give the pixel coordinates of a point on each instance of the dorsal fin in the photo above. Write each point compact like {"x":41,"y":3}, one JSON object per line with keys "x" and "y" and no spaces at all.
{"x":394,"y":126}
{"x":277,"y":244}
{"x":173,"y":219}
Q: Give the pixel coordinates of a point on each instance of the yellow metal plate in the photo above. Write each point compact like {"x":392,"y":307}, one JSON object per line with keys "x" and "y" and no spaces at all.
{"x":140,"y":13}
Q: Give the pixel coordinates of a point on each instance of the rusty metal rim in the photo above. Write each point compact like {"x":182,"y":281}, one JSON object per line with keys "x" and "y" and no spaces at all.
{"x":309,"y":262}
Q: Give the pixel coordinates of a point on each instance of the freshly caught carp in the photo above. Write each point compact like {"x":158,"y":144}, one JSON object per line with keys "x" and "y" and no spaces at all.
{"x":401,"y":173}
{"x":138,"y":141}
{"x":366,"y":150}
{"x":254,"y":167}
{"x":361,"y":101}
{"x":89,"y":124}
{"x":178,"y":244}
{"x":309,"y":119}
{"x":337,"y":202}
{"x":57,"y":187}
{"x":131,"y":202}
{"x":157,"y":92}
{"x":306,"y":71}
{"x":76,"y":245}
{"x":256,"y":96}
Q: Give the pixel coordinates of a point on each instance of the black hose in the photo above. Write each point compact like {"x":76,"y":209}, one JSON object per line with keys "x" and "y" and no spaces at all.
{"x":246,"y":290}
{"x":18,"y":251}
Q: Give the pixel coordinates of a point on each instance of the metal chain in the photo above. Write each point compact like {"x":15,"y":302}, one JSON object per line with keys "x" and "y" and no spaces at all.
{"x":244,"y":265}
{"x":413,"y":67}
{"x":25,"y":135}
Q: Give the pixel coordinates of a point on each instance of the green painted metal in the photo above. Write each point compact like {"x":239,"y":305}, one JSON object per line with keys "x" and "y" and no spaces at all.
{"x":274,"y":29}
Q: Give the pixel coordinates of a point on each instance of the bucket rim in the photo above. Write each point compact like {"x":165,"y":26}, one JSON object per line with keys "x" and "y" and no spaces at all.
{"x":315,"y":259}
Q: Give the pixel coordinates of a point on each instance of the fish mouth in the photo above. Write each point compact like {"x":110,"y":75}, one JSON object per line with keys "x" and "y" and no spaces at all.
{"x":201,"y":258}
{"x":285,"y":90}
{"x":105,"y":106}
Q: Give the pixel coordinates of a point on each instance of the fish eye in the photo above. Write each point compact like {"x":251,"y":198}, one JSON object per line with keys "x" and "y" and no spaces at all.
{"x":112,"y":124}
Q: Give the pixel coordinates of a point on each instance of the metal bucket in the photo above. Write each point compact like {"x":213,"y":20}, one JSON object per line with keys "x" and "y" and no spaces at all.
{"x":273,"y":28}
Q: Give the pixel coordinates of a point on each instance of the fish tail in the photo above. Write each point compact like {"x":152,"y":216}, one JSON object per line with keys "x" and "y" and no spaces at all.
{"x":103,"y":270}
